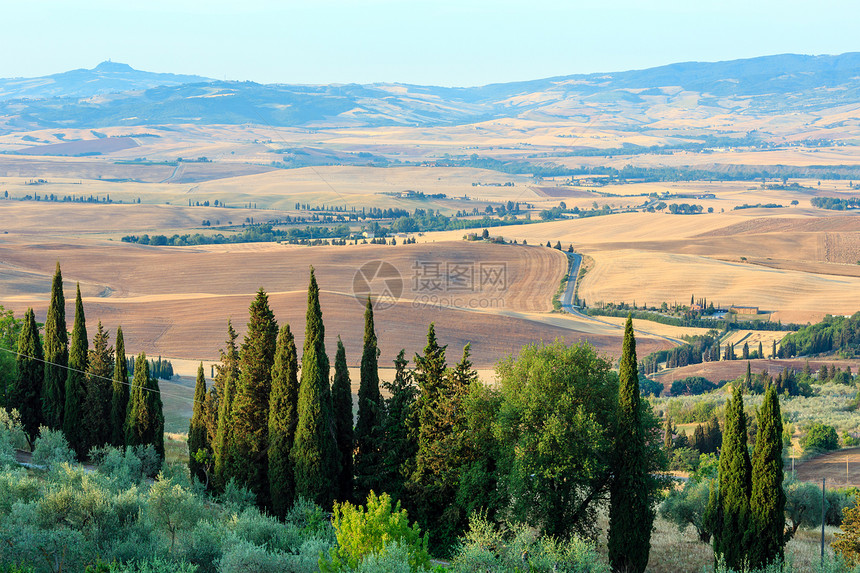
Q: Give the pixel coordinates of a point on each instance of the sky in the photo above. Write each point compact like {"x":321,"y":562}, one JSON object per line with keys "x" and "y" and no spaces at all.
{"x":435,"y":42}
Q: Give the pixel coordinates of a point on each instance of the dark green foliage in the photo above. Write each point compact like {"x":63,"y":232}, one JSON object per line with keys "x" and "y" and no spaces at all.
{"x":97,"y":406}
{"x":145,"y":420}
{"x":819,"y":438}
{"x":226,"y":379}
{"x":692,"y":386}
{"x":119,"y":398}
{"x":26,"y":390}
{"x":732,"y":526}
{"x":631,"y":502}
{"x":399,"y":429}
{"x":767,"y":500}
{"x":368,"y":445}
{"x":283,"y":419}
{"x":249,"y":439}
{"x":76,"y":385}
{"x":198,"y":439}
{"x":558,"y":405}
{"x":314,"y":453}
{"x":56,"y":355}
{"x":341,"y":398}
{"x":834,"y":333}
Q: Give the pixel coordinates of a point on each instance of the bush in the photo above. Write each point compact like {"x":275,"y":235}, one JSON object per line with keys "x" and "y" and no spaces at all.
{"x":52,"y":448}
{"x":361,"y":533}
{"x":236,"y":498}
{"x":819,"y":438}
{"x":686,"y":506}
{"x":486,"y":547}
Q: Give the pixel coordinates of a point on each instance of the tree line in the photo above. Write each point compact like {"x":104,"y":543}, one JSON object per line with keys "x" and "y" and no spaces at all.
{"x":62,"y":383}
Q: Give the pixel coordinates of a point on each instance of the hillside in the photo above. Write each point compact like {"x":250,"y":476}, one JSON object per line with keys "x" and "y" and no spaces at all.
{"x":637,"y":99}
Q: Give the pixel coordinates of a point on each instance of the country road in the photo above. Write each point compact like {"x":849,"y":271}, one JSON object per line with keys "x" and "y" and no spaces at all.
{"x":567,"y":301}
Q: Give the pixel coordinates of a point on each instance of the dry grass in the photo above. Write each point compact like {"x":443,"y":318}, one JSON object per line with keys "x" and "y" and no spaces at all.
{"x":840,"y":468}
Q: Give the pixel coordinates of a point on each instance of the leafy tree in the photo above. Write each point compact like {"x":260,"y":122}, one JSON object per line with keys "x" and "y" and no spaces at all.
{"x":847,"y":544}
{"x":558,"y":404}
{"x":97,"y":405}
{"x":687,"y":506}
{"x":632,"y":493}
{"x":820,"y":438}
{"x":732,"y":528}
{"x":228,"y":374}
{"x":119,"y":399}
{"x":283,"y":419}
{"x":399,"y":428}
{"x":767,"y":498}
{"x":249,"y":439}
{"x":76,"y":386}
{"x":314,"y":454}
{"x":198,"y":438}
{"x":341,"y":397}
{"x":26,"y":390}
{"x":56,"y":355}
{"x":368,"y":444}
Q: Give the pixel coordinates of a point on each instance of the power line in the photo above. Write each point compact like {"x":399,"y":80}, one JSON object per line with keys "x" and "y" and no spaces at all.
{"x":69,"y":368}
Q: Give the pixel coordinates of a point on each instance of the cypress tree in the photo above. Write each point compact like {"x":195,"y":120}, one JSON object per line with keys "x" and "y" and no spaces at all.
{"x":746,"y":351}
{"x":283,"y":419}
{"x":767,"y":500}
{"x":732,"y":537}
{"x":198,"y":439}
{"x":314,"y":453}
{"x":368,"y":426}
{"x":699,"y":440}
{"x":398,"y":429}
{"x":631,"y":513}
{"x":773,"y":351}
{"x":341,"y":398}
{"x":228,"y":374}
{"x":668,"y":442}
{"x":26,"y":391}
{"x":760,"y":350}
{"x":250,"y":437}
{"x":76,"y":386}
{"x":119,"y":399}
{"x":56,"y":355}
{"x":145,"y":421}
{"x":97,"y":405}
{"x":715,"y":435}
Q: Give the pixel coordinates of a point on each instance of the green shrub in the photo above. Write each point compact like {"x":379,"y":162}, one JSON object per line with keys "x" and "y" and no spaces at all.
{"x":819,"y":438}
{"x":236,"y":498}
{"x":156,"y":565}
{"x":486,"y":547}
{"x":52,"y":448}
{"x":362,"y":532}
{"x":686,"y":507}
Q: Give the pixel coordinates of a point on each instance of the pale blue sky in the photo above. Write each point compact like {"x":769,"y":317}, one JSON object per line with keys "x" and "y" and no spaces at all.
{"x":439,"y":42}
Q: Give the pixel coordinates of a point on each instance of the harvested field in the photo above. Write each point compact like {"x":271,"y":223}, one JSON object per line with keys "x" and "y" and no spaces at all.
{"x":176,"y":301}
{"x":82,"y":147}
{"x":841,"y":468}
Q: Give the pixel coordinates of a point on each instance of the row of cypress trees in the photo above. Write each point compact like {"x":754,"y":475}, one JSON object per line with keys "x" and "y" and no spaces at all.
{"x":65,"y":385}
{"x":746,"y":507}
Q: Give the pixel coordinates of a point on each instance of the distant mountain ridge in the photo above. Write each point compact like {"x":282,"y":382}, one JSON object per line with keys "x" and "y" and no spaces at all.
{"x":107,"y":77}
{"x":115,"y":94}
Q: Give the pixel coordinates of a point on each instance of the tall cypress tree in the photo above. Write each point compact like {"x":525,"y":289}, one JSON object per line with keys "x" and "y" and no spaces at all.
{"x":76,"y":386}
{"x":631,"y":513}
{"x":227,"y":377}
{"x":732,"y":534}
{"x":138,"y":418}
{"x":26,"y":391}
{"x":283,"y":419}
{"x":197,"y":435}
{"x":97,"y":404}
{"x":767,"y":500}
{"x":119,"y":398}
{"x":341,"y":398}
{"x":56,"y":355}
{"x":314,"y":454}
{"x":368,"y":427}
{"x":429,"y":493}
{"x":398,"y":429}
{"x":250,"y":436}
